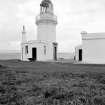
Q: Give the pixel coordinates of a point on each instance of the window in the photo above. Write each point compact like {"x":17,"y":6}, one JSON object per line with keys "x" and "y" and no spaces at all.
{"x":45,"y":50}
{"x":26,"y":49}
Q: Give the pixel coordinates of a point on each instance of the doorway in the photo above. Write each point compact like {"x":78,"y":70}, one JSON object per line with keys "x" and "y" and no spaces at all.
{"x":34,"y":53}
{"x":80,"y":54}
{"x":55,"y":53}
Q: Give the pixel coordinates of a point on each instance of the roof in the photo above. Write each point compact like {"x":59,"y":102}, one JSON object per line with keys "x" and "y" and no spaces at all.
{"x":35,"y":41}
{"x":91,"y":36}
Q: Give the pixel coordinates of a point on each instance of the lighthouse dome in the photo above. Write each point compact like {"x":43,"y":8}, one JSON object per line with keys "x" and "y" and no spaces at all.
{"x":46,"y":3}
{"x":46,"y":6}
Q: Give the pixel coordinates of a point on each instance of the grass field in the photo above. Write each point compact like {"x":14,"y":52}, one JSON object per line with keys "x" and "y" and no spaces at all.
{"x":51,"y":83}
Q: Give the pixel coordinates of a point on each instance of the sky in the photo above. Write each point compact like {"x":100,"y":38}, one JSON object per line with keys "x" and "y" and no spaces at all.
{"x":74,"y":16}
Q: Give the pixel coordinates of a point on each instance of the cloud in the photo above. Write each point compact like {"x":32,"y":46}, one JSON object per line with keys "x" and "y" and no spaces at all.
{"x":73,"y":17}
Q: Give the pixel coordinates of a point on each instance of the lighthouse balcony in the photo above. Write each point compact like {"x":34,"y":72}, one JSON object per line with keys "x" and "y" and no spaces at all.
{"x":46,"y":18}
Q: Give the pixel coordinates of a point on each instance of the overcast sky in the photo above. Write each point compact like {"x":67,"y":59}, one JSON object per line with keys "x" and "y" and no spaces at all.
{"x":74,"y":16}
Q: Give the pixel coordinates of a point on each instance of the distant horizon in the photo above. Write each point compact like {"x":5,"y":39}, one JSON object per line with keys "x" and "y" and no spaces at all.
{"x":19,"y":51}
{"x":17,"y":55}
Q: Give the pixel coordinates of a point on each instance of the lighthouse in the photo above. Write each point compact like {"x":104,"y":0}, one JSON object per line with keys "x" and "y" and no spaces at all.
{"x":45,"y":47}
{"x":46,"y":22}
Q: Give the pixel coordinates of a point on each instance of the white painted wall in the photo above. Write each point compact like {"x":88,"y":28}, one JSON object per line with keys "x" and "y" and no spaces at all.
{"x":94,"y":51}
{"x":94,"y":48}
{"x":41,"y":56}
{"x":46,"y":27}
{"x":46,"y":32}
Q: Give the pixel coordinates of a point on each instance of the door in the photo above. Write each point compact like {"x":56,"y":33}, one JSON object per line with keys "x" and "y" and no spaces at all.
{"x":80,"y":54}
{"x":55,"y":53}
{"x":34,"y":53}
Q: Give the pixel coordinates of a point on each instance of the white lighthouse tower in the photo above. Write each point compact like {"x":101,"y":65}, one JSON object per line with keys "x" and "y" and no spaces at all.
{"x":46,"y":22}
{"x":45,"y":47}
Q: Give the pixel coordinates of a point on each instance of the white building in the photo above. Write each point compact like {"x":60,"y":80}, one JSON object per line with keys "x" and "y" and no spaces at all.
{"x":45,"y":47}
{"x":92,"y":49}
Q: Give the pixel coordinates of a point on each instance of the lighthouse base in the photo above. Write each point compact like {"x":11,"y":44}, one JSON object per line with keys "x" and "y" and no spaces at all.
{"x":38,"y":51}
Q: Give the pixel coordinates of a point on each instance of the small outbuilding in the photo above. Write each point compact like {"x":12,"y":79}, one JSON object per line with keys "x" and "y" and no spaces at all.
{"x":92,"y":49}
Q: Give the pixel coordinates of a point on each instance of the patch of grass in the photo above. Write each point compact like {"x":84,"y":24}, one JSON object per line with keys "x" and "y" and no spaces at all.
{"x":40,"y":83}
{"x":1,"y":66}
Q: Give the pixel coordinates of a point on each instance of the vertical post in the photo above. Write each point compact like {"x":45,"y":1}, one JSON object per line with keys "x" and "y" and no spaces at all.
{"x":55,"y":51}
{"x":22,"y":53}
{"x":23,"y":41}
{"x":24,"y":35}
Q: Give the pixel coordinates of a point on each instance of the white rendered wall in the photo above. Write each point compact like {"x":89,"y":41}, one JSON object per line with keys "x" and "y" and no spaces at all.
{"x":94,"y":51}
{"x":41,"y":56}
{"x":46,"y":32}
{"x":50,"y":52}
